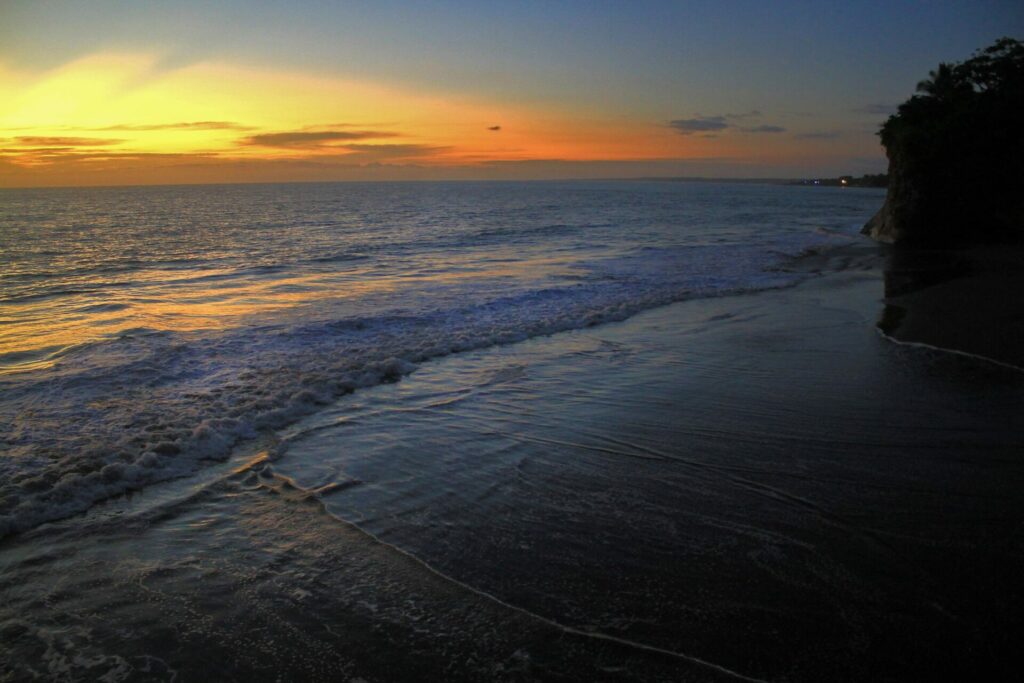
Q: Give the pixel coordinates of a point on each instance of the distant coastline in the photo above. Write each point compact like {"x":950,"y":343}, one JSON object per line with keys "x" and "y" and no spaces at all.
{"x":876,"y":181}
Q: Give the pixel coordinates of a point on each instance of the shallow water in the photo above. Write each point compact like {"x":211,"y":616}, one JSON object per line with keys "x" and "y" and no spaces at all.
{"x":146,"y":331}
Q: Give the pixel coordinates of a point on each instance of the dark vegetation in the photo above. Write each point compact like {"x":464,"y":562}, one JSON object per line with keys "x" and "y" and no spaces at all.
{"x":870,"y":180}
{"x":956,"y":154}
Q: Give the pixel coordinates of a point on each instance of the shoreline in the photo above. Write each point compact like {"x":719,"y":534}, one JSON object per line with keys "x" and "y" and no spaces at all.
{"x":933,"y":300}
{"x":622,"y":498}
{"x":962,"y":302}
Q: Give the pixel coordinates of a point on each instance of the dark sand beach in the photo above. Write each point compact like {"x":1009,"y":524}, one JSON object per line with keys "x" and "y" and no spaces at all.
{"x":966,"y":300}
{"x":753,"y":487}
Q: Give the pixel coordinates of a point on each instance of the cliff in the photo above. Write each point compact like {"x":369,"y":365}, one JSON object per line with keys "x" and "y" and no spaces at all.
{"x":902,"y":202}
{"x":956,"y":155}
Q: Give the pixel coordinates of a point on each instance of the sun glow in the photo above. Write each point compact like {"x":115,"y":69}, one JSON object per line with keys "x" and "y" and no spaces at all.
{"x":130,"y":116}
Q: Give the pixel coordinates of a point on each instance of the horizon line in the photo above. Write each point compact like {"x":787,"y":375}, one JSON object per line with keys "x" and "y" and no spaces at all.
{"x":767,"y":180}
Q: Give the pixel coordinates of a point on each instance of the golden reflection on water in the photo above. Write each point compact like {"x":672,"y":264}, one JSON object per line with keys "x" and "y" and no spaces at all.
{"x":36,"y":331}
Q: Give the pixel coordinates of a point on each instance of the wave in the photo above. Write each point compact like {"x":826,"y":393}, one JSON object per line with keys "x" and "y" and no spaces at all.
{"x":119,"y":414}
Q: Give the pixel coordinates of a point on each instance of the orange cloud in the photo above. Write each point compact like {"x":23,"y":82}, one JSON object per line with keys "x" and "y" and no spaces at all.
{"x":186,"y":125}
{"x":310,"y":138}
{"x":31,"y":140}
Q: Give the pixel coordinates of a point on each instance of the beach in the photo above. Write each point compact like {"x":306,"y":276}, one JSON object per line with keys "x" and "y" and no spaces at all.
{"x":963,"y":300}
{"x":755,"y":486}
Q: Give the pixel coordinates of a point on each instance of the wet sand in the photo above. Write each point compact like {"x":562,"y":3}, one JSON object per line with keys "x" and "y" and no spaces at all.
{"x":753,"y":487}
{"x":971,"y":301}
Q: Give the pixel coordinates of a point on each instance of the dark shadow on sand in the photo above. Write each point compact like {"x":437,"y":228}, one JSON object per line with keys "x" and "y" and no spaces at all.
{"x":969,"y":301}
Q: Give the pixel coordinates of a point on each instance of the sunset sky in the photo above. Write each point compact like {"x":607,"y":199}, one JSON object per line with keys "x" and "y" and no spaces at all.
{"x":101,"y":92}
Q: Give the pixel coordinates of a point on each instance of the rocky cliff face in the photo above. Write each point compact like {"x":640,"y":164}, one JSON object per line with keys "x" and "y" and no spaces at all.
{"x":890,"y":224}
{"x":928,"y":205}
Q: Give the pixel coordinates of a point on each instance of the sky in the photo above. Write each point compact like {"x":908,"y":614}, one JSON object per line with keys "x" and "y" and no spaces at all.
{"x":142,"y":92}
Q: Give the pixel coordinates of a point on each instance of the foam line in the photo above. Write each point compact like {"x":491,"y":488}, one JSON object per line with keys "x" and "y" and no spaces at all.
{"x":942,"y":349}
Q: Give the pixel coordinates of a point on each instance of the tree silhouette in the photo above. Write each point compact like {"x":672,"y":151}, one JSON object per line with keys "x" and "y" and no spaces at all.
{"x":940,"y":83}
{"x":956,"y":151}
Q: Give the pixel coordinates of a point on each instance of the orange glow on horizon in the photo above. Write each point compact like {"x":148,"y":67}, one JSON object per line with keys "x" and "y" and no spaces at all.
{"x":122,"y":118}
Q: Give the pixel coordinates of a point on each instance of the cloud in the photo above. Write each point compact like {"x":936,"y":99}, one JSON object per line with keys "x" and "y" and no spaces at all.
{"x":818,"y":135}
{"x":183,"y":125}
{"x":46,"y":141}
{"x":706,"y":126}
{"x":90,"y":158}
{"x":32,"y":150}
{"x":394,"y":151}
{"x":71,"y":154}
{"x":698,"y":124}
{"x":877,"y":109}
{"x":493,"y":127}
{"x":333,"y":126}
{"x":83,"y":163}
{"x":312,"y":138}
{"x":750,"y":114}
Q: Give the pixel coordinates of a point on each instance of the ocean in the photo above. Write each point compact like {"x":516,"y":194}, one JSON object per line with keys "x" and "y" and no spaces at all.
{"x":147,"y":330}
{"x":486,"y":431}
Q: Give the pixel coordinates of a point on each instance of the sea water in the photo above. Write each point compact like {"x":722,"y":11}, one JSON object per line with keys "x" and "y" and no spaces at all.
{"x":145,"y":331}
